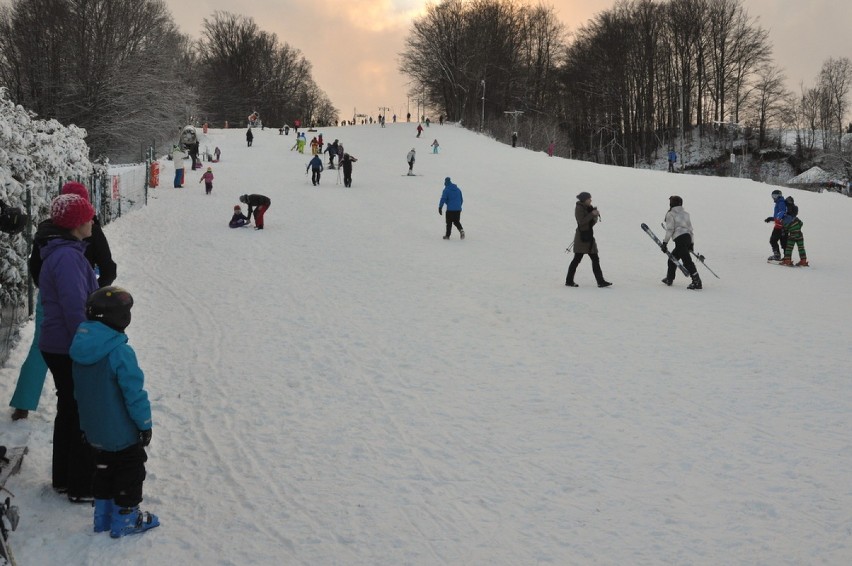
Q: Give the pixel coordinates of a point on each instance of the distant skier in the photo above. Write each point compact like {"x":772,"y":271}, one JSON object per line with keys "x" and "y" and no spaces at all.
{"x":249,"y":136}
{"x":435,"y":146}
{"x":346,"y":165}
{"x":419,"y":129}
{"x":778,"y":228}
{"x":679,"y":229}
{"x":217,"y":154}
{"x":550,"y":148}
{"x":260,"y":204}
{"x":672,"y":160}
{"x":315,"y":165}
{"x":410,"y":159}
{"x":452,"y":198}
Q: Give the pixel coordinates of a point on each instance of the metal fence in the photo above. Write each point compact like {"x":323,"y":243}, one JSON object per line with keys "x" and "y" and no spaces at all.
{"x":114,"y":191}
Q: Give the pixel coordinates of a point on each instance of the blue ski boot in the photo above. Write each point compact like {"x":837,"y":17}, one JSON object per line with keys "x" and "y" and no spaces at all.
{"x":130,"y":520}
{"x":103,"y":515}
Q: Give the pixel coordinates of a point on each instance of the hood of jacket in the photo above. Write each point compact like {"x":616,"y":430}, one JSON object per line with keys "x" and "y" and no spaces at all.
{"x":94,"y":341}
{"x":61,"y":242}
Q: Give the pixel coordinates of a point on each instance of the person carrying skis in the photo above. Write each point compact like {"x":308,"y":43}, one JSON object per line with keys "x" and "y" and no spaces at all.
{"x":346,"y":165}
{"x":778,"y":227}
{"x":586,"y":216}
{"x":208,"y":180}
{"x":115,"y":413}
{"x":410,"y":159}
{"x":452,"y":197}
{"x":793,"y":227}
{"x":260,"y":204}
{"x":679,"y":228}
{"x":315,"y":165}
{"x":331,"y":150}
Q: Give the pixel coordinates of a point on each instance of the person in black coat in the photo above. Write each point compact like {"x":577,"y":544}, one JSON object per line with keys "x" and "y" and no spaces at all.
{"x":258,"y":203}
{"x":346,"y":165}
{"x":249,"y":136}
{"x":97,"y":252}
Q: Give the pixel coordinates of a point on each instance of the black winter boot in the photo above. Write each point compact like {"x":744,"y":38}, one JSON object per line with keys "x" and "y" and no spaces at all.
{"x":696,"y":282}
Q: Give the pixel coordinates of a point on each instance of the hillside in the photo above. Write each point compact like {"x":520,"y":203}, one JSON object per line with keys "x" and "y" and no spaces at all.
{"x":345,"y":387}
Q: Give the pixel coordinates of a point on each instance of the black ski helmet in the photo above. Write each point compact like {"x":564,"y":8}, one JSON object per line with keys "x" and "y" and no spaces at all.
{"x":110,"y":305}
{"x":674,"y":201}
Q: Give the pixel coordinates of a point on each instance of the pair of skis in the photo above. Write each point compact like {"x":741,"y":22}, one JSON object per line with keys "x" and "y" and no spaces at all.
{"x":672,"y":258}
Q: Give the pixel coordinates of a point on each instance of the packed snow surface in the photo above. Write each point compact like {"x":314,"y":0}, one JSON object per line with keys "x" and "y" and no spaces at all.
{"x":345,"y":387}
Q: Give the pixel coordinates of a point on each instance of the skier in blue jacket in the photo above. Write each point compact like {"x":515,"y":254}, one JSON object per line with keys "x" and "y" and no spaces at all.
{"x":115,"y":413}
{"x":452,"y":197}
{"x":777,"y":227}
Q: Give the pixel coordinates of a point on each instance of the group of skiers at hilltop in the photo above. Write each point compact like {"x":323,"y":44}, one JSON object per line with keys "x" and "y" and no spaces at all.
{"x":787,"y":229}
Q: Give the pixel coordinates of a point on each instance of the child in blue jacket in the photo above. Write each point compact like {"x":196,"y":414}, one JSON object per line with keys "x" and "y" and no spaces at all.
{"x":115,"y":413}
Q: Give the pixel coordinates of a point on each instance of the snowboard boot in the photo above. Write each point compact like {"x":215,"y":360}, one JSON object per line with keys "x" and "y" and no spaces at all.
{"x":802,"y":263}
{"x":696,"y":282}
{"x":461,"y":232}
{"x":668,"y":282}
{"x":130,"y":521}
{"x":787,"y":261}
{"x":103,"y":515}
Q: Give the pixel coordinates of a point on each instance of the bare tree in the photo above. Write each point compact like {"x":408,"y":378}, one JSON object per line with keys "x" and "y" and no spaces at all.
{"x":835,"y":80}
{"x":770,"y":100}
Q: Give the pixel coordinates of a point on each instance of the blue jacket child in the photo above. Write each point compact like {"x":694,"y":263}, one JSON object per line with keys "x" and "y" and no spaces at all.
{"x":115,"y":413}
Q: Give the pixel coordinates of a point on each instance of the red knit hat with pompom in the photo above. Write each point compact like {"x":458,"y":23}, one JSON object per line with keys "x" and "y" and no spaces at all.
{"x":70,"y":211}
{"x":75,"y":188}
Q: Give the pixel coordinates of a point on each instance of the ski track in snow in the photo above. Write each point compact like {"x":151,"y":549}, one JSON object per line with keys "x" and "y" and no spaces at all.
{"x":347,"y":388}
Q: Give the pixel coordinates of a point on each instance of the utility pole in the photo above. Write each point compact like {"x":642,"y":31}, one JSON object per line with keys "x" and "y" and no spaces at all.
{"x":680,"y":110}
{"x":482,"y":119}
{"x":383,"y":110}
{"x":515,"y":114}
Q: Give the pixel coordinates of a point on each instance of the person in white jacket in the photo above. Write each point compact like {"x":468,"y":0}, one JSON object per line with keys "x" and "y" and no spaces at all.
{"x":679,"y":229}
{"x":177,"y":158}
{"x":410,"y":159}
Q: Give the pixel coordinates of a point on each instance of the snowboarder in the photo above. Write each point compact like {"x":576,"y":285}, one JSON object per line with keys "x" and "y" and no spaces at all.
{"x":435,"y":146}
{"x":778,"y":228}
{"x":260,"y":204}
{"x":410,"y":159}
{"x":793,"y":227}
{"x":452,"y":197}
{"x":115,"y":413}
{"x":419,"y":130}
{"x":672,"y":160}
{"x":238,"y":220}
{"x":346,"y":165}
{"x":679,"y":229}
{"x":315,"y":165}
{"x":586,"y":216}
{"x":208,"y":180}
{"x":249,"y":137}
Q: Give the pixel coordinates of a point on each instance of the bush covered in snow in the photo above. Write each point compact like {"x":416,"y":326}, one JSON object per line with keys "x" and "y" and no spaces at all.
{"x":35,"y":155}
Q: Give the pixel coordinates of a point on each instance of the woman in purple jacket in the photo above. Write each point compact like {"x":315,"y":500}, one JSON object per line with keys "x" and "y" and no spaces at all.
{"x":65,"y":281}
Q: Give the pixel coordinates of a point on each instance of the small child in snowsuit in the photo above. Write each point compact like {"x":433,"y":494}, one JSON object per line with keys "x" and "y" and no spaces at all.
{"x":115,"y":413}
{"x":208,"y":180}
{"x":238,"y":220}
{"x":793,"y":227}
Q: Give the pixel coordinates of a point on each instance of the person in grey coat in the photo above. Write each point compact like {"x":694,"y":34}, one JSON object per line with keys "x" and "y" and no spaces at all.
{"x":584,"y":240}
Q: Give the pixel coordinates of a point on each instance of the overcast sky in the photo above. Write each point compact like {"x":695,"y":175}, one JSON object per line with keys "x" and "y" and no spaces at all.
{"x":354,"y":45}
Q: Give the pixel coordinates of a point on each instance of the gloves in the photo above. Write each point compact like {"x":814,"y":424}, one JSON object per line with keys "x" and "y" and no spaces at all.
{"x":769,"y":219}
{"x":145,"y":436}
{"x":665,"y":247}
{"x":440,"y":211}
